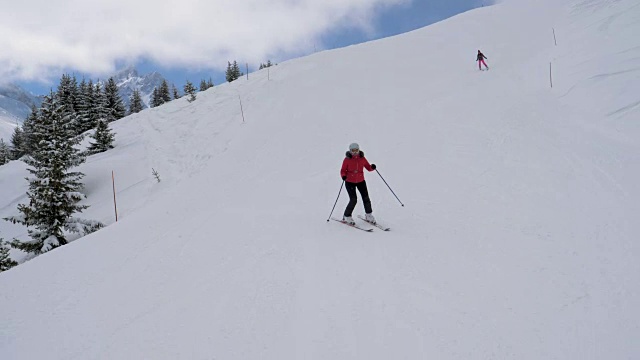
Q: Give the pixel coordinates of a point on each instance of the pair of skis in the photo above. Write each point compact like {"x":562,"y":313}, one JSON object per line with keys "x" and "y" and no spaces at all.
{"x":356,"y":226}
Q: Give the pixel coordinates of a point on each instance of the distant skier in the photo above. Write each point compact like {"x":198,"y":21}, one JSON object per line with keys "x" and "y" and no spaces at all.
{"x":480,"y":59}
{"x":353,"y":175}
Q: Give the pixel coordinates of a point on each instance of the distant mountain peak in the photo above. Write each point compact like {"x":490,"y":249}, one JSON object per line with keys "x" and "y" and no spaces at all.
{"x":15,"y":106}
{"x":128,"y":80}
{"x":126,"y":73}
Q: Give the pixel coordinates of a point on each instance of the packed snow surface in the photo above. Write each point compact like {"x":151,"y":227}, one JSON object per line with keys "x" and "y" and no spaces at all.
{"x":518,"y":239}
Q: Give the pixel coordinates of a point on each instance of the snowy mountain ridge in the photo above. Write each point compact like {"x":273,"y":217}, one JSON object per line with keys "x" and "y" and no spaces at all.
{"x":16,"y":102}
{"x":128,"y":79}
{"x":15,"y":106}
{"x":518,"y":239}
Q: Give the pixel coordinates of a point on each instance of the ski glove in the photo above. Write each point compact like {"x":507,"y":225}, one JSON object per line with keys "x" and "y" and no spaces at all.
{"x":373,"y":166}
{"x":344,"y":178}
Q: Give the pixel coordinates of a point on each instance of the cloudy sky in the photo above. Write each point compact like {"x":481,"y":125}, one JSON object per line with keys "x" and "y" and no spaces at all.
{"x":191,"y":39}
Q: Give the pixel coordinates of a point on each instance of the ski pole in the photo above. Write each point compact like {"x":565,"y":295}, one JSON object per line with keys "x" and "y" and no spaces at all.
{"x":394,"y":194}
{"x":334,"y":204}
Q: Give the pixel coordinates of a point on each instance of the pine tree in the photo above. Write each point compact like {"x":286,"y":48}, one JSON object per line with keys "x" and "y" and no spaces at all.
{"x":164,"y":92}
{"x":54,"y":191}
{"x":155,"y":98}
{"x":5,"y":153}
{"x":103,"y":139}
{"x":190,"y":90}
{"x":85,"y":118}
{"x":81,"y":105}
{"x":233,"y":71}
{"x":17,"y":148}
{"x":204,"y":84}
{"x":99,"y":108}
{"x":87,"y":115}
{"x":65,"y":99}
{"x":174,"y":90}
{"x":67,"y":92}
{"x":228,"y":74}
{"x":236,"y":71}
{"x":115,"y":107}
{"x":75,"y":93}
{"x":135,"y":102}
{"x":264,"y":66}
{"x":5,"y":260}
{"x":28,"y":140}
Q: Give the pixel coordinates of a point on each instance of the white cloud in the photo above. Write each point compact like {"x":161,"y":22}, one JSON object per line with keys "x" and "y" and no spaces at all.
{"x":38,"y":38}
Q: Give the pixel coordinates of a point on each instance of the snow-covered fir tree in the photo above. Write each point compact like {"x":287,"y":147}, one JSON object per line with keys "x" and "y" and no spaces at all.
{"x":161,"y":94}
{"x":5,"y":260}
{"x":28,"y":140}
{"x":17,"y":143}
{"x":54,"y":190}
{"x":190,"y":90}
{"x":135,"y":102}
{"x":98,"y":110}
{"x":84,"y":114}
{"x":236,"y":70}
{"x":205,"y":84}
{"x":66,"y":98}
{"x":5,"y":153}
{"x":263,"y":66}
{"x":233,"y":71}
{"x":103,"y":139}
{"x":155,"y":98}
{"x":67,"y":92}
{"x":228,"y":74}
{"x":174,"y":90}
{"x":75,"y":93}
{"x":115,"y":107}
{"x":164,"y":93}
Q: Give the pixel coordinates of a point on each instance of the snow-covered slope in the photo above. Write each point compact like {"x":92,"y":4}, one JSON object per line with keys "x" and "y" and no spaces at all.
{"x":518,"y":239}
{"x":7,"y":127}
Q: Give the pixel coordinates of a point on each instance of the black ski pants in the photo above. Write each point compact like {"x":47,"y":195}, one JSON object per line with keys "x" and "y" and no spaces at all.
{"x":353,"y":197}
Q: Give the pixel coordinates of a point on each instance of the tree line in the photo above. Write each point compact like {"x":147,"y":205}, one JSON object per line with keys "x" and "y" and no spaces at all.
{"x":89,"y":106}
{"x":48,"y":143}
{"x":233,"y":70}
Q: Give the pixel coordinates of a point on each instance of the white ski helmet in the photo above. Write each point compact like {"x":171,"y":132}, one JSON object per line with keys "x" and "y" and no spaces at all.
{"x":354,"y":146}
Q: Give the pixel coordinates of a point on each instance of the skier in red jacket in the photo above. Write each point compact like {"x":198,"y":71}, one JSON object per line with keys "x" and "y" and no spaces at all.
{"x":353,"y":175}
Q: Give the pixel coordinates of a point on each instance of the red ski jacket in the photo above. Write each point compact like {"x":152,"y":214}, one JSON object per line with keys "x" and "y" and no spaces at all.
{"x":352,"y":167}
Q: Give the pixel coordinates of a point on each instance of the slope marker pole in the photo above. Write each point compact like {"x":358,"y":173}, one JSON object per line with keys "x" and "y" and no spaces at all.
{"x":113,"y":182}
